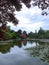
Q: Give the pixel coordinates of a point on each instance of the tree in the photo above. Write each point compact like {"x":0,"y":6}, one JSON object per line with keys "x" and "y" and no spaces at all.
{"x":8,"y":7}
{"x":3,"y":29}
{"x":42,"y":4}
{"x":23,"y":35}
{"x":47,"y":34}
{"x":41,"y":33}
{"x":19,"y":31}
{"x":24,"y":32}
{"x":31,"y":35}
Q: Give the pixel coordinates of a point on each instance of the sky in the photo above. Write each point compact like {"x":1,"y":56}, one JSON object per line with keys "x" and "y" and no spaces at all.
{"x":30,"y":19}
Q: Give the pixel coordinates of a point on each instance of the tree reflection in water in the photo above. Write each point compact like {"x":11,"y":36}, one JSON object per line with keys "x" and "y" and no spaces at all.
{"x":35,"y":48}
{"x":5,"y":48}
{"x":41,"y":51}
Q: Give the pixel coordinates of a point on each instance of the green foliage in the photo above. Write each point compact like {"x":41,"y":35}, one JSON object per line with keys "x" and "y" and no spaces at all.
{"x":42,"y":34}
{"x":47,"y":34}
{"x":10,"y":34}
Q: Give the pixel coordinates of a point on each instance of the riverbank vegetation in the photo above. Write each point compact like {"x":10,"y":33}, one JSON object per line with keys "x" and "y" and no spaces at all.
{"x":41,"y":34}
{"x":11,"y":34}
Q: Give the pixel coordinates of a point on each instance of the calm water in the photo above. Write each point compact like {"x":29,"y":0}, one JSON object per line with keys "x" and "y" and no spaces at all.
{"x":24,"y":53}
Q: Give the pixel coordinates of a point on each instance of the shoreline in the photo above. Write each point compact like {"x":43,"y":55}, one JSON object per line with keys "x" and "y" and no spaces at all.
{"x":42,"y":40}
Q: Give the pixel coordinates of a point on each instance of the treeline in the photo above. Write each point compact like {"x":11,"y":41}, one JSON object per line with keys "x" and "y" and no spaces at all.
{"x":11,"y":34}
{"x":41,"y":34}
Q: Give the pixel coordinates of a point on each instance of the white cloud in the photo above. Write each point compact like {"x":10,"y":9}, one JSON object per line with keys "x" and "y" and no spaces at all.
{"x":32,"y":11}
{"x":28,"y":27}
{"x":25,"y":19}
{"x":33,"y":26}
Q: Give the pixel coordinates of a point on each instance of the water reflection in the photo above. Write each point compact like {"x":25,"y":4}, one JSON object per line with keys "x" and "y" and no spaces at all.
{"x":30,"y":45}
{"x":23,"y":48}
{"x":40,"y":51}
{"x":5,"y":48}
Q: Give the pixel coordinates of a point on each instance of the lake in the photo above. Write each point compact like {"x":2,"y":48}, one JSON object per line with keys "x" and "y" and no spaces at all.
{"x":24,"y":53}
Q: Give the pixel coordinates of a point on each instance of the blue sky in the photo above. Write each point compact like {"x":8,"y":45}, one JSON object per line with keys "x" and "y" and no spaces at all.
{"x":30,"y":19}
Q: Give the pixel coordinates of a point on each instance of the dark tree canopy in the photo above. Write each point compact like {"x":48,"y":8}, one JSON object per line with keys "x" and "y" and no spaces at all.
{"x":8,"y":7}
{"x":42,"y":4}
